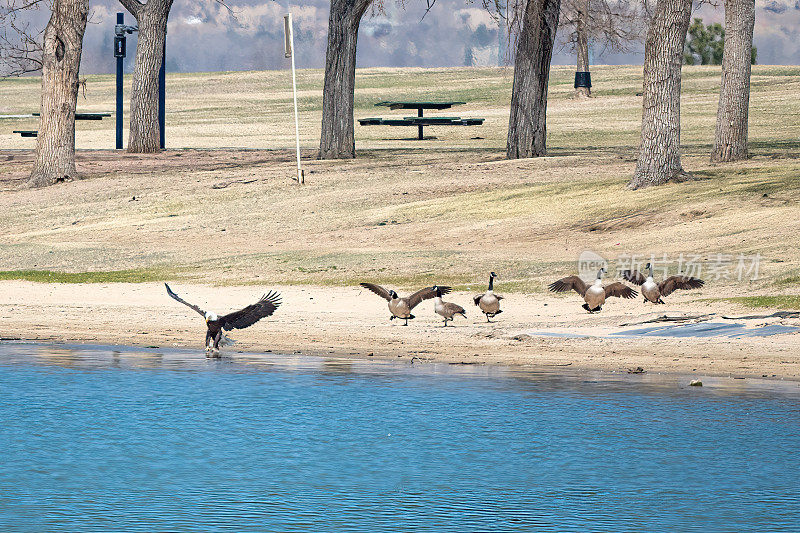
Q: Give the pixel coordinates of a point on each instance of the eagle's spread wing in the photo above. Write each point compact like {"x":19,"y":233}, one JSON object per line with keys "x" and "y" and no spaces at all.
{"x":619,"y":290}
{"x":377,"y":289}
{"x":567,"y":284}
{"x":252,"y":313}
{"x":184,"y":302}
{"x":425,"y":294}
{"x":673,"y":283}
{"x":634,"y":276}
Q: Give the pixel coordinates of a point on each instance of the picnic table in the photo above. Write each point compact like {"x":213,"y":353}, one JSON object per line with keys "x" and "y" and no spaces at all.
{"x":420,"y":120}
{"x":78,"y":116}
{"x":86,"y":116}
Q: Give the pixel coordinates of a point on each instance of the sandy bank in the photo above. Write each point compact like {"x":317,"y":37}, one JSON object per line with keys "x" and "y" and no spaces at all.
{"x":534,"y":330}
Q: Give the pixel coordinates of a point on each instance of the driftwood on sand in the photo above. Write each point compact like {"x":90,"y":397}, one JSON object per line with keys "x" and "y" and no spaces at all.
{"x":778,"y":314}
{"x":673,"y":318}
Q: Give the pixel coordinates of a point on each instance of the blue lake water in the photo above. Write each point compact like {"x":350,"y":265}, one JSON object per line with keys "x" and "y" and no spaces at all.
{"x":117,"y":439}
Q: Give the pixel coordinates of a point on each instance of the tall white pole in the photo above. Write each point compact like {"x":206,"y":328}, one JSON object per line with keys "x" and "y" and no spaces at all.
{"x":290,"y":52}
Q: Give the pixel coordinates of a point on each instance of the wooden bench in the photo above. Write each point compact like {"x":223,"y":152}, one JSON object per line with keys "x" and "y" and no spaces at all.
{"x":420,"y":121}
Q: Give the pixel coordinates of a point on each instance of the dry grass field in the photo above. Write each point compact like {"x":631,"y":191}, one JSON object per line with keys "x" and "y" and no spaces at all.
{"x":253,"y":109}
{"x":404,"y":211}
{"x":218,"y":208}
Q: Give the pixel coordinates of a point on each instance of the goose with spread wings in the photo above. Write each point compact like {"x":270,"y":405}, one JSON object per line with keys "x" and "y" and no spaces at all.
{"x":401,"y":307}
{"x":594,"y":295}
{"x":237,"y":320}
{"x":653,"y":291}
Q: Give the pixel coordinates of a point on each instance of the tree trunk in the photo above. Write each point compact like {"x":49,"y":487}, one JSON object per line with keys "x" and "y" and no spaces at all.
{"x":61,"y":58}
{"x":659,"y":151}
{"x":338,"y":139}
{"x":152,"y":20}
{"x":730,"y":139}
{"x":526,"y":125}
{"x":582,"y":44}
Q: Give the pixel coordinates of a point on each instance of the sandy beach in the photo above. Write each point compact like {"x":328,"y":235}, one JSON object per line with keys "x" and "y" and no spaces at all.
{"x":535,"y":331}
{"x":85,"y":261}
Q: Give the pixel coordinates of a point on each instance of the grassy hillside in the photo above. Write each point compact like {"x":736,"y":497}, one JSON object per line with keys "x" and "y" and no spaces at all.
{"x":404,"y":212}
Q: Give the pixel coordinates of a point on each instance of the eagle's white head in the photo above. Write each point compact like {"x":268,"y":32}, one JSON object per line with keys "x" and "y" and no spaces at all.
{"x":210,"y":316}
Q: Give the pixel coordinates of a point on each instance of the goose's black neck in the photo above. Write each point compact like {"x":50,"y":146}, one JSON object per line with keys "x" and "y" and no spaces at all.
{"x":491,"y":283}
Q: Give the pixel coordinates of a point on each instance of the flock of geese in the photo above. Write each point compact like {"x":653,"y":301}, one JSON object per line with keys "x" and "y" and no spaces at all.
{"x":488,"y":302}
{"x":594,"y":297}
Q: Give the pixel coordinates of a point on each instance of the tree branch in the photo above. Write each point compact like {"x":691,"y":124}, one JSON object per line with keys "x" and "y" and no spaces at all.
{"x":20,"y":46}
{"x":615,"y":24}
{"x":226,"y":6}
{"x":13,"y":8}
{"x":133,"y":6}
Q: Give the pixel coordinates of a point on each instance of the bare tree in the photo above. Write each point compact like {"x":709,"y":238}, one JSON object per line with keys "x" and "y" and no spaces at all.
{"x":338,"y":137}
{"x":61,"y":58}
{"x":527,"y":132}
{"x":20,"y":45}
{"x":659,"y":158}
{"x":611,"y":24}
{"x":581,"y":40}
{"x":730,"y":139}
{"x":152,"y":20}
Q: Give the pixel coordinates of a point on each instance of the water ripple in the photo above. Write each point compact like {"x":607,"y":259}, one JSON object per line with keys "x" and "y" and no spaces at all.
{"x":116,"y":439}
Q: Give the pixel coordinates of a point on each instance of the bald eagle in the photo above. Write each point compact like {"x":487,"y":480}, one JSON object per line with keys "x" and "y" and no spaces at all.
{"x":237,"y":320}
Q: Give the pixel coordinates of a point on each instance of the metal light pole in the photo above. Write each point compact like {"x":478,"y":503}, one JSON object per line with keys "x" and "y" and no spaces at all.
{"x":120,"y":45}
{"x":119,"y":52}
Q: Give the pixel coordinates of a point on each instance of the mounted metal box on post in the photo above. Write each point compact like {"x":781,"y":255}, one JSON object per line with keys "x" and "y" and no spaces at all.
{"x":120,"y":47}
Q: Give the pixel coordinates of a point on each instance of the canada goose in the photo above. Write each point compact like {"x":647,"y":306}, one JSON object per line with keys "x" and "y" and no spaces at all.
{"x":594,"y":295}
{"x":237,"y":320}
{"x":489,"y":302}
{"x":401,"y":307}
{"x":653,"y":291}
{"x":446,"y":309}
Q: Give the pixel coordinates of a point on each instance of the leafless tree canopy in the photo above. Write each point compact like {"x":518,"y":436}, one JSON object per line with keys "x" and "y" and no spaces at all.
{"x":20,"y":44}
{"x":613,"y":24}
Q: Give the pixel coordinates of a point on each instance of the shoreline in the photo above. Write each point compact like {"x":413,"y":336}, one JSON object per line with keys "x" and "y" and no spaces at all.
{"x":352,"y":323}
{"x":656,"y":380}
